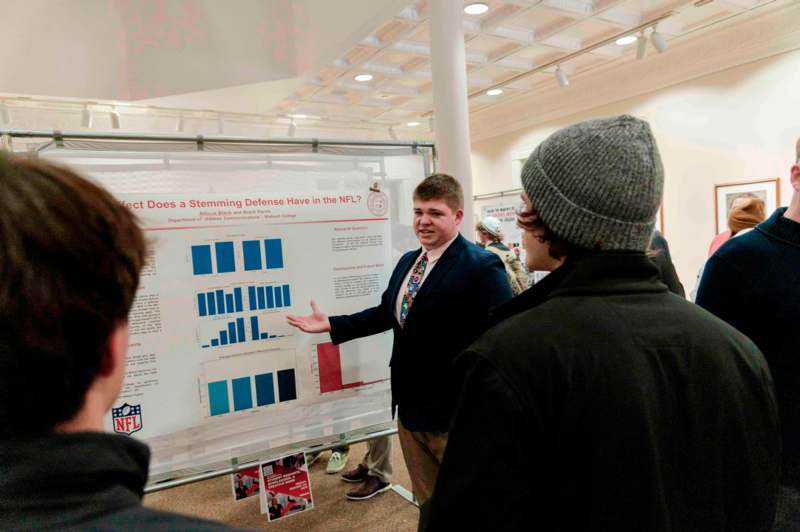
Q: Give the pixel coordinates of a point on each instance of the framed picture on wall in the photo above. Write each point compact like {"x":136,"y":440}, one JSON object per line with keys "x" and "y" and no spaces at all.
{"x":726,"y":193}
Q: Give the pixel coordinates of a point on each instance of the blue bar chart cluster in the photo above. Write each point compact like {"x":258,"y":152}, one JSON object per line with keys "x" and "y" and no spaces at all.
{"x":237,"y":394}
{"x":242,"y":330}
{"x":221,"y":257}
{"x":221,"y":302}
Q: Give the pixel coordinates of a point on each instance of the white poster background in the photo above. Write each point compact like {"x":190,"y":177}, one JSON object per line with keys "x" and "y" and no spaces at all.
{"x":326,"y":237}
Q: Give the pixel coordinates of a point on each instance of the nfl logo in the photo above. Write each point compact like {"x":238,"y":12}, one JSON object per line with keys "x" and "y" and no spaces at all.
{"x":127,"y":419}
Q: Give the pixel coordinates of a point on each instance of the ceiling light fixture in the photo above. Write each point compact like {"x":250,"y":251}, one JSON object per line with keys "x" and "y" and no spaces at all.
{"x":494,"y":92}
{"x":300,"y":116}
{"x":641,"y":46}
{"x":476,"y":8}
{"x":625,"y":41}
{"x":561,"y":76}
{"x":658,"y":40}
{"x":412,"y":124}
{"x":363,"y":77}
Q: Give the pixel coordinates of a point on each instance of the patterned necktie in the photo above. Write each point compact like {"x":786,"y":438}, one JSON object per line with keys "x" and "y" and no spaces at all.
{"x":413,"y":286}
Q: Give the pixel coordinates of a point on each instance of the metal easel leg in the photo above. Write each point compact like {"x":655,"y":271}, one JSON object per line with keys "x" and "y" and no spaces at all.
{"x":404,"y":493}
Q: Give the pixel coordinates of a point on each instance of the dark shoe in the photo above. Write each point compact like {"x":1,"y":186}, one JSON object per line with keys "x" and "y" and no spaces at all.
{"x":371,"y":487}
{"x":359,"y":474}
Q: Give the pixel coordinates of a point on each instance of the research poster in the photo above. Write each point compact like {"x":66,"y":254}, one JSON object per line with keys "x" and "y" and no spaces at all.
{"x":209,"y":342}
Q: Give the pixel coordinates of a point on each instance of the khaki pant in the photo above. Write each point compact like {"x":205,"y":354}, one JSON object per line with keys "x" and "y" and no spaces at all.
{"x":423,"y":452}
{"x":378,"y":458}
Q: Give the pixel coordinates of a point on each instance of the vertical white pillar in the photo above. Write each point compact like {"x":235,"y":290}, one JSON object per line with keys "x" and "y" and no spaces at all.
{"x":450,"y":109}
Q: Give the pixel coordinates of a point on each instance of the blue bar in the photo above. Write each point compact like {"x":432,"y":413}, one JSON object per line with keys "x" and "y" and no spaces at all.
{"x":242,"y":395}
{"x":287,"y":390}
{"x":212,"y":305}
{"x":225,"y":260}
{"x":240,"y":329}
{"x":265,"y":389}
{"x":254,"y":327}
{"x":237,"y":296}
{"x":220,"y":302}
{"x":214,"y":342}
{"x":278,"y":296}
{"x":201,"y":304}
{"x":274,"y":252}
{"x":232,"y":332}
{"x":201,"y":260}
{"x":229,"y":308}
{"x":218,"y":398}
{"x":264,"y":336}
{"x":287,"y":299}
{"x":270,"y":298}
{"x":261,"y":297}
{"x":251,"y":297}
{"x":252,"y":255}
{"x":223,"y":338}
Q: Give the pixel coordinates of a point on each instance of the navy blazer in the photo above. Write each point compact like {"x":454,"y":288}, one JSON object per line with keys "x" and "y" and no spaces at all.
{"x":449,"y":312}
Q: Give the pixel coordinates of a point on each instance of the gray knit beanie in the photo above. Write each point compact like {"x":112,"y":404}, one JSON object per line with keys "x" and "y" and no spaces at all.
{"x":598,"y":184}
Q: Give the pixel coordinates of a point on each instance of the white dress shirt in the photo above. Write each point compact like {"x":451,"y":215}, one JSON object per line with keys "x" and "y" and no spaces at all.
{"x":433,"y":257}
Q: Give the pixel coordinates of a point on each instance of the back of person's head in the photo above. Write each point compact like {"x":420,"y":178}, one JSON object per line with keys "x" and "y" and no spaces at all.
{"x":595,"y":185}
{"x":746,"y":212}
{"x":68,"y":274}
{"x":441,"y":187}
{"x":491,"y":227}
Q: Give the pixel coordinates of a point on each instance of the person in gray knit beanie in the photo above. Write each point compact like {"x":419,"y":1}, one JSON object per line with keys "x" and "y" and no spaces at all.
{"x":598,"y":184}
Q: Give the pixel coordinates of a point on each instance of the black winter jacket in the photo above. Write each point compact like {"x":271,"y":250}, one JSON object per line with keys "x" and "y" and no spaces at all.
{"x":604,"y":402}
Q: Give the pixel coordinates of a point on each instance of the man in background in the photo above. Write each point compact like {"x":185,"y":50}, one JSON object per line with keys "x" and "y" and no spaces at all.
{"x":69,"y":269}
{"x":436,"y":303}
{"x":753,"y":283}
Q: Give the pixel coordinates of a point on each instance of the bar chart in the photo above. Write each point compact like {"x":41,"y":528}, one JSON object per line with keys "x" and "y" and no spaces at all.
{"x":258,"y":297}
{"x":250,"y":381}
{"x":244,"y":329}
{"x":329,"y":366}
{"x":221,"y":257}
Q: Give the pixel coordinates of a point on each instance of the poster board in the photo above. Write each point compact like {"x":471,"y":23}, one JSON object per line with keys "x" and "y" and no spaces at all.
{"x":238,"y":239}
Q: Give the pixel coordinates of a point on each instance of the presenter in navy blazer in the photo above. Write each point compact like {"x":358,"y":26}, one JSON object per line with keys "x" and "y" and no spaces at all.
{"x":436,"y":303}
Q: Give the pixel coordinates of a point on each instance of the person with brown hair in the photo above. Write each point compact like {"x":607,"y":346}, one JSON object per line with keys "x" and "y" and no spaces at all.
{"x":490,"y":235}
{"x":601,"y":401}
{"x":747,"y":211}
{"x":69,"y":269}
{"x":437,"y":303}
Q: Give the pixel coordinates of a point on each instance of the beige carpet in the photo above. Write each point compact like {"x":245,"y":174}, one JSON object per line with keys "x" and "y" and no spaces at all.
{"x":213,"y":499}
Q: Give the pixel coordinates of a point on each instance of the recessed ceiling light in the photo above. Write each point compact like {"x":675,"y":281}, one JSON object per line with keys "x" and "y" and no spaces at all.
{"x":301,"y":116}
{"x":412,"y":124}
{"x":625,"y":41}
{"x":494,"y":92}
{"x":363,"y":77}
{"x":476,"y":8}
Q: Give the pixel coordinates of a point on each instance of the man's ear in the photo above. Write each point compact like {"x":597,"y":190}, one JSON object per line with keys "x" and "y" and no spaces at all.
{"x":116,"y":351}
{"x":795,"y":177}
{"x":459,"y":215}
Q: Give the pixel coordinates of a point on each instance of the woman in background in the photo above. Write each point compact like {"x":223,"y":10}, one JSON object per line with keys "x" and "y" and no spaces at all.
{"x":490,"y":233}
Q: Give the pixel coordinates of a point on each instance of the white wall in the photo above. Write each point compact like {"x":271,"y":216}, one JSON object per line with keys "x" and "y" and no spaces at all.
{"x":740,"y":124}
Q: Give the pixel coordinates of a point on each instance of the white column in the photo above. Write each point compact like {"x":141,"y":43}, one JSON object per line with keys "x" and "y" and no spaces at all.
{"x":450,"y":109}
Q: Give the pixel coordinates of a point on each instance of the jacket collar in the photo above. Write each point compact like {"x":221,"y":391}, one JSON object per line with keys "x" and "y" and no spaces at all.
{"x":593,"y":274}
{"x":781,"y":228}
{"x":61,"y":478}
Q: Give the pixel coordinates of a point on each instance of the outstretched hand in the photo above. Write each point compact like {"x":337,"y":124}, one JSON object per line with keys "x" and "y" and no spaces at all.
{"x":316,"y":322}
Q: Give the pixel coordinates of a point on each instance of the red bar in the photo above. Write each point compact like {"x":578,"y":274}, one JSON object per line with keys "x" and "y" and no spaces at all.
{"x":330,"y":367}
